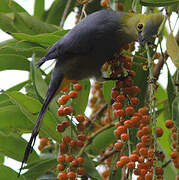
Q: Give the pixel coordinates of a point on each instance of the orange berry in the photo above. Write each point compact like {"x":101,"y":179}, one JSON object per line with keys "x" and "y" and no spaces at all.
{"x":117,"y":105}
{"x":62,"y":176}
{"x":82,"y":137}
{"x":119,"y":164}
{"x":158,"y":171}
{"x":143,"y":172}
{"x":131,"y":165}
{"x":174,"y":136}
{"x":81,"y":127}
{"x":143,"y":111}
{"x":60,"y":128}
{"x":151,"y":153}
{"x":159,"y":132}
{"x":143,"y":152}
{"x":124,"y":159}
{"x":128,"y":124}
{"x":63,"y":99}
{"x":61,"y":158}
{"x":117,"y":124}
{"x":74,"y":163}
{"x":63,"y":148}
{"x":133,"y":157}
{"x":66,"y":139}
{"x":67,"y":110}
{"x":77,"y":87}
{"x":69,"y":158}
{"x":43,"y":141}
{"x":129,"y":110}
{"x":119,"y":112}
{"x":145,"y":119}
{"x":71,"y":175}
{"x":79,"y":143}
{"x":80,"y":160}
{"x":169,"y":124}
{"x":40,"y":147}
{"x":114,"y":93}
{"x":73,"y":143}
{"x":120,"y":98}
{"x":60,"y":111}
{"x":174,"y":155}
{"x":60,"y":167}
{"x":104,"y":3}
{"x":80,"y":118}
{"x":73,"y":94}
{"x":145,"y":139}
{"x":140,"y":145}
{"x":65,"y":88}
{"x":118,"y":145}
{"x":124,"y":137}
{"x":134,"y":101}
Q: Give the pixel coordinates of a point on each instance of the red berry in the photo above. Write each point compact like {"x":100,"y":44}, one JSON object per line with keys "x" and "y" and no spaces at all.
{"x":69,"y":158}
{"x":71,"y":175}
{"x":114,"y":93}
{"x":159,"y":132}
{"x":60,"y":111}
{"x":169,"y":124}
{"x":63,"y":148}
{"x":143,"y":111}
{"x":118,"y":145}
{"x":67,"y":110}
{"x":119,"y":112}
{"x":124,"y":137}
{"x":65,"y":124}
{"x":117,"y":105}
{"x":82,"y":137}
{"x":77,"y":87}
{"x":61,"y":158}
{"x":119,"y":164}
{"x":129,"y":110}
{"x":74,"y":163}
{"x":124,"y":159}
{"x":80,"y":160}
{"x":73,"y":143}
{"x":80,"y":170}
{"x":60,"y":167}
{"x":120,"y":98}
{"x":81,"y":127}
{"x":131,"y":165}
{"x":134,"y":101}
{"x":79,"y":143}
{"x":66,"y":139}
{"x":63,"y":99}
{"x":143,"y":152}
{"x":62,"y":176}
{"x":60,"y":128}
{"x":133,"y":157}
{"x":80,"y":118}
{"x":73,"y":94}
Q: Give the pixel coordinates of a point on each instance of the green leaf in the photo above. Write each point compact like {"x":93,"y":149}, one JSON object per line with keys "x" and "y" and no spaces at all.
{"x":22,"y":48}
{"x":13,"y":62}
{"x":173,"y":49}
{"x":90,"y":169}
{"x":8,"y":6}
{"x":18,"y":87}
{"x":40,"y":167}
{"x":10,"y":174}
{"x":32,"y":25}
{"x":39,"y":8}
{"x":79,"y":104}
{"x":170,"y":91}
{"x":30,"y":107}
{"x":158,"y":3}
{"x":107,"y":88}
{"x":175,"y":112}
{"x":101,"y":141}
{"x":55,"y":13}
{"x":12,"y":118}
{"x":46,"y":39}
{"x":13,"y":146}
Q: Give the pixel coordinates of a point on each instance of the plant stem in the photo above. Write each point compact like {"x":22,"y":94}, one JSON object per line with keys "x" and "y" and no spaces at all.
{"x":152,"y":104}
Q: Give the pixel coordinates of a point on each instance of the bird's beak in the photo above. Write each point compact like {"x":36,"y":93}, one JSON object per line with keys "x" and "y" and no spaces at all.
{"x":141,"y":39}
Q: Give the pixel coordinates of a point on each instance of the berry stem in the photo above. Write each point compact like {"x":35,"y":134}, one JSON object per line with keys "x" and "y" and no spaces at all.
{"x":152,"y":104}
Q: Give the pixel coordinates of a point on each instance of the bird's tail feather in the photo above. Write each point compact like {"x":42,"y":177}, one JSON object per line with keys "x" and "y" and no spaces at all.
{"x":57,"y":78}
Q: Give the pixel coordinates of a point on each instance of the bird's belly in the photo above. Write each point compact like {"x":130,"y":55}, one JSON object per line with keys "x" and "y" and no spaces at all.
{"x":82,"y":67}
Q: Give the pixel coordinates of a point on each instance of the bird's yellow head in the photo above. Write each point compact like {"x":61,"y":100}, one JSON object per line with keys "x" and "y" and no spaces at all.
{"x":141,"y":27}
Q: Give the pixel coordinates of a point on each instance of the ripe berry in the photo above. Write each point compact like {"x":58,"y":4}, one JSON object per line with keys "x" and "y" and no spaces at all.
{"x":174,"y":155}
{"x":82,"y":137}
{"x":134,"y":101}
{"x":81,"y":127}
{"x":119,"y":164}
{"x":63,"y":148}
{"x":60,"y":167}
{"x":128,"y":124}
{"x":129,"y":110}
{"x":114,"y":93}
{"x":128,"y":81}
{"x":60,"y":128}
{"x":79,"y":143}
{"x":62,"y":176}
{"x":73,"y":94}
{"x":60,"y":111}
{"x":61,"y":158}
{"x":80,"y":118}
{"x":67,"y":110}
{"x":120,"y":98}
{"x":117,"y":105}
{"x":104,"y":3}
{"x":119,"y":113}
{"x":143,"y":152}
{"x":133,"y":157}
{"x":73,"y":143}
{"x":71,"y":175}
{"x":69,"y":158}
{"x":169,"y":124}
{"x":65,"y":124}
{"x":77,"y":87}
{"x":124,"y":159}
{"x":143,"y":111}
{"x":66,"y":139}
{"x":74,"y":163}
{"x":80,"y":160}
{"x":63,"y":99}
{"x":131,"y":165}
{"x":159,"y":132}
{"x":149,"y":176}
{"x":118,"y":145}
{"x":124,"y":137}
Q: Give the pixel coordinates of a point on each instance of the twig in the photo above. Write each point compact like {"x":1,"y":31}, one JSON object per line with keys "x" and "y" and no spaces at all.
{"x":166,"y":164}
{"x":65,"y":13}
{"x":110,"y":153}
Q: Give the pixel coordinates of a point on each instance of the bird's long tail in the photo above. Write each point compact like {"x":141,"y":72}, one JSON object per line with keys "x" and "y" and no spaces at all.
{"x":54,"y":86}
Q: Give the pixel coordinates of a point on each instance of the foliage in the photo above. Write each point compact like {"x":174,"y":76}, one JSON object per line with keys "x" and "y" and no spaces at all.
{"x":31,"y":37}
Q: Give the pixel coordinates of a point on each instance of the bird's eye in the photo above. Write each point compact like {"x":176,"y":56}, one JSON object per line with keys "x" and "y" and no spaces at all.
{"x":140,"y":27}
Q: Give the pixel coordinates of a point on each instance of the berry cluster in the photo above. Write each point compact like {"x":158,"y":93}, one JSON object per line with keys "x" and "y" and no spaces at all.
{"x":44,"y":142}
{"x":70,"y":166}
{"x":175,"y":144}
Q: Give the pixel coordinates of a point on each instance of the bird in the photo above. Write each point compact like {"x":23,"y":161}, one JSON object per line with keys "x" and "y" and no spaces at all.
{"x":82,"y":51}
